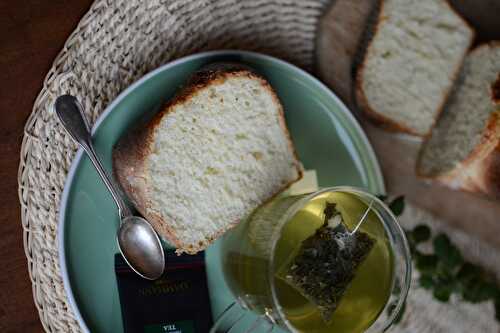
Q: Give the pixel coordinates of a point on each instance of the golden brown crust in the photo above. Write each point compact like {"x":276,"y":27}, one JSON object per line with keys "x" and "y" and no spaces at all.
{"x":127,"y":161}
{"x":491,"y":174}
{"x":212,"y":74}
{"x":340,"y":44}
{"x":381,"y":120}
{"x":129,"y":156}
{"x":483,"y":175}
{"x":361,"y":100}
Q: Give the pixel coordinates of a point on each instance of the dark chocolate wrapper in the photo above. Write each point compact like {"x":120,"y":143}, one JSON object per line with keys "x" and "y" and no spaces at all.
{"x":178,"y":302}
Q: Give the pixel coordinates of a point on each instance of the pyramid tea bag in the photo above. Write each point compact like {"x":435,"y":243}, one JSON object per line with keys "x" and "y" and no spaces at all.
{"x":326,"y":262}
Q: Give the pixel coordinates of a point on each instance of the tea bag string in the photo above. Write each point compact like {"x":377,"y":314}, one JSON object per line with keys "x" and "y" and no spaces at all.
{"x":362,"y":219}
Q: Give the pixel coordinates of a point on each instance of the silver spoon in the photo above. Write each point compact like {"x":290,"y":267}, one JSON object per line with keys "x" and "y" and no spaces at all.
{"x":137,"y":240}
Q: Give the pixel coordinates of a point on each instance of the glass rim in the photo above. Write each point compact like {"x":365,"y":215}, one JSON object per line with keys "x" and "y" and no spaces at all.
{"x":296,"y":206}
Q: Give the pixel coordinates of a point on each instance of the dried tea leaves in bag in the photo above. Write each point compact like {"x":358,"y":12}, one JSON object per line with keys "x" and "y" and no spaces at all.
{"x":326,"y":262}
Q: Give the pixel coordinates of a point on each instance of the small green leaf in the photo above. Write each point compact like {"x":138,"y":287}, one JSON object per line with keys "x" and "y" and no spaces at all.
{"x":442,"y":292}
{"x":442,"y":245}
{"x":479,"y":291}
{"x":468,"y":272}
{"x":448,"y":253}
{"x":398,"y":205}
{"x":426,"y":262}
{"x":444,"y":274}
{"x":421,"y":233}
{"x":426,"y":281}
{"x":382,"y":197}
{"x":487,"y":290}
{"x":454,"y":259}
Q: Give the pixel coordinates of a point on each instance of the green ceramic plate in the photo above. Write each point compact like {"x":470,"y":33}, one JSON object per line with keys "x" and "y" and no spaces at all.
{"x":328,"y":139}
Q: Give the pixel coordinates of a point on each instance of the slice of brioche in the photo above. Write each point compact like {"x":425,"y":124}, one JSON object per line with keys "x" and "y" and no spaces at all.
{"x":463,"y":151}
{"x":410,"y":63}
{"x":215,"y":153}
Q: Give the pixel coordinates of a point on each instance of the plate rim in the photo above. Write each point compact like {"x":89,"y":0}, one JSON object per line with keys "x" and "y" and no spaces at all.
{"x":78,"y":156}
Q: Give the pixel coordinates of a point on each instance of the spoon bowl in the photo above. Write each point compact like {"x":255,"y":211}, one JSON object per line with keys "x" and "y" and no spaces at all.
{"x":138,"y":239}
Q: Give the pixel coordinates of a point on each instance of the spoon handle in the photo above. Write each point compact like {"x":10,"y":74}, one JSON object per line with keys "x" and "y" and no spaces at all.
{"x":70,"y":113}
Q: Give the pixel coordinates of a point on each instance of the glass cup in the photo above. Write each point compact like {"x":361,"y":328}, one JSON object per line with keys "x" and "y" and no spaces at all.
{"x":257,"y":252}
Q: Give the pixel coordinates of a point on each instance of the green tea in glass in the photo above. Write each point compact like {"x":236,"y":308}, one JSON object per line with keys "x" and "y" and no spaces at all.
{"x":334,"y":260}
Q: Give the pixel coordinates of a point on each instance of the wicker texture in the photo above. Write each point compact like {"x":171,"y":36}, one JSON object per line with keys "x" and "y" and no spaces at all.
{"x":116,"y":43}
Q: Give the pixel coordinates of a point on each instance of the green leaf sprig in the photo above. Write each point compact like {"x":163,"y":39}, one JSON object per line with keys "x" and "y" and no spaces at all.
{"x":444,"y":271}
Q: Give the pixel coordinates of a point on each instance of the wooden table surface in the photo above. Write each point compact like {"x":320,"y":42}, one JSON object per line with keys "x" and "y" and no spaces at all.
{"x":31,"y":34}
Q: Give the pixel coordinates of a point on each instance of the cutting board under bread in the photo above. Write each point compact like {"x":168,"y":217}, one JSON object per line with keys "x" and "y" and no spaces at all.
{"x":341,"y":36}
